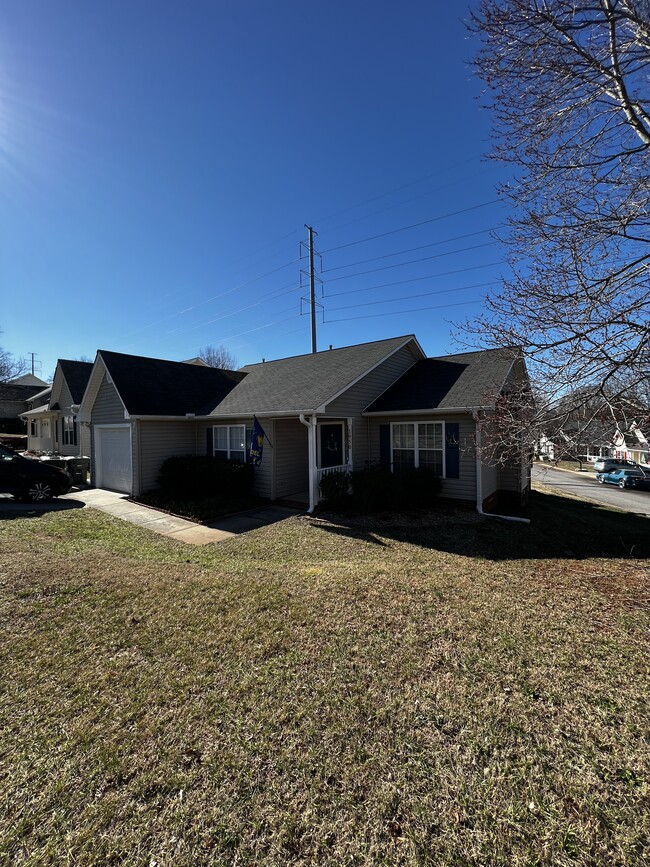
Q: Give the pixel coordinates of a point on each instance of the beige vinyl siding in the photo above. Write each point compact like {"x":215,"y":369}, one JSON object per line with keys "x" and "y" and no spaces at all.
{"x":489,"y":480}
{"x":510,"y":478}
{"x":462,"y":488}
{"x":264,"y":473}
{"x":159,"y":440}
{"x":65,"y":404}
{"x":84,"y":440}
{"x":263,"y":486}
{"x":291,"y":453}
{"x":359,"y":396}
{"x":108,"y":409}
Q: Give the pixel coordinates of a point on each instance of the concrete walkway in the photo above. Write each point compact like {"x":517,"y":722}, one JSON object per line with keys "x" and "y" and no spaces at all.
{"x":167,"y":525}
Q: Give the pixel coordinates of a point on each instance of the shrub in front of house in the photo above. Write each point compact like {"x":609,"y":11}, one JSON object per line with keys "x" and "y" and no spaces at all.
{"x":192,"y":476}
{"x":374,"y":489}
{"x":335,"y":488}
{"x":417,"y":488}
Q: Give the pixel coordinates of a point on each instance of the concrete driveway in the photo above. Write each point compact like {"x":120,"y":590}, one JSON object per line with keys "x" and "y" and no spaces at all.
{"x":159,"y":522}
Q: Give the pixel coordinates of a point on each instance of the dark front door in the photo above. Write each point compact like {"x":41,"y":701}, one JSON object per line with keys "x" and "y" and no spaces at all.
{"x":331,"y":445}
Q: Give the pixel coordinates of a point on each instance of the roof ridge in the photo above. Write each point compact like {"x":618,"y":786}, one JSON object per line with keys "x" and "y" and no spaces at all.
{"x":109,"y":352}
{"x":328,"y":351}
{"x":512,"y":348}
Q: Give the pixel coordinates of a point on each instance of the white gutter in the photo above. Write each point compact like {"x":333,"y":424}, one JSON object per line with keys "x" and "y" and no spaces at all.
{"x":446,"y":410}
{"x":479,"y":481}
{"x":311,"y":442}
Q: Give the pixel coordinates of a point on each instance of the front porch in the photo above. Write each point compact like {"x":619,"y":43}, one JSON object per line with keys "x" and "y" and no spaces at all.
{"x":41,"y":427}
{"x":300,"y":499}
{"x":329,"y":442}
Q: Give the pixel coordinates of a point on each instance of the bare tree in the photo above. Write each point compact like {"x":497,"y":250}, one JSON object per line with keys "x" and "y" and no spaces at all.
{"x":218,"y":356}
{"x":9,"y":367}
{"x":567,"y":81}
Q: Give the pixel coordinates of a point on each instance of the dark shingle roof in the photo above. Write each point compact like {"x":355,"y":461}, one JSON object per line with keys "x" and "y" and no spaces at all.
{"x":151,"y":386}
{"x":77,"y":374}
{"x":470,"y":379}
{"x":303,"y":382}
{"x":11,"y":391}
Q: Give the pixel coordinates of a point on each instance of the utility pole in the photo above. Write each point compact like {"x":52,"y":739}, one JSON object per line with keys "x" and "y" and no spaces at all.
{"x":312,"y":282}
{"x":312,"y":288}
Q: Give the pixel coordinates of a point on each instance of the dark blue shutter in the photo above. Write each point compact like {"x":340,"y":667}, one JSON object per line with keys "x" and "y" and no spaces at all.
{"x":209,"y":445}
{"x":384,"y":446}
{"x":452,"y":450}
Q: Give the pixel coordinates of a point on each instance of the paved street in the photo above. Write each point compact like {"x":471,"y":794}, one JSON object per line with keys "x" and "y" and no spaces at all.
{"x":584,"y":485}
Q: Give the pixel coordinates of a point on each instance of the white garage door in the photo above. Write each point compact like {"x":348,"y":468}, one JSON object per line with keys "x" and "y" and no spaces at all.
{"x":113,"y":454}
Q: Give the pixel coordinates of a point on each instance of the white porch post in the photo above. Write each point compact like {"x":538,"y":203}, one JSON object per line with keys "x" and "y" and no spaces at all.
{"x":349,"y":460}
{"x":311,"y":459}
{"x":313,"y":469}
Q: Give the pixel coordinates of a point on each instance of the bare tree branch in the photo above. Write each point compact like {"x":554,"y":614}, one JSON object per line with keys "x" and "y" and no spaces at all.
{"x":567,"y":83}
{"x":9,"y":367}
{"x":218,"y":356}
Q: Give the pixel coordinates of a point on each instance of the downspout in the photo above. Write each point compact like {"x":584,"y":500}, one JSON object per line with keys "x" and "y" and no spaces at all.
{"x":311,"y":443}
{"x":479,"y":480}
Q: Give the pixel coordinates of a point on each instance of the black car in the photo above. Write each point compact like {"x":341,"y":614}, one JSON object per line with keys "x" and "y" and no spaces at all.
{"x":640,"y":484}
{"x":29,"y":479}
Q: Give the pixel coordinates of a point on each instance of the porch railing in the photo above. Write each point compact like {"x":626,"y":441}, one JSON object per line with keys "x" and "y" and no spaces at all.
{"x":320,"y":472}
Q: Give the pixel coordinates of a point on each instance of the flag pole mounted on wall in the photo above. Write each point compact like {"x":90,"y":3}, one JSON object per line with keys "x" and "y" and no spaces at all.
{"x":257,"y":442}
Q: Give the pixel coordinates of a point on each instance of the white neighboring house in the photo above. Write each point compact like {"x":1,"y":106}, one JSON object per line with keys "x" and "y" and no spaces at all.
{"x":53,"y":427}
{"x":632,"y":446}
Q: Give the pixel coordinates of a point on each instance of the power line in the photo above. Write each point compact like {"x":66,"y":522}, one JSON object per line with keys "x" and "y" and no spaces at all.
{"x":400,"y":312}
{"x":410,"y":250}
{"x":402,"y":298}
{"x":208,"y":300}
{"x":416,"y":279}
{"x":408,"y":201}
{"x":399,"y":189}
{"x":413,"y":225}
{"x":270,"y":296}
{"x":412,"y":261}
{"x":260,"y":328}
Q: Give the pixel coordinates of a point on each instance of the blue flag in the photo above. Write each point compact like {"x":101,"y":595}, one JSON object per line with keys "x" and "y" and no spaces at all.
{"x":257,"y":443}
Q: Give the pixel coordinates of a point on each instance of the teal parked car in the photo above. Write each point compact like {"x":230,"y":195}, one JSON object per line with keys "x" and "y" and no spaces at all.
{"x":627,"y":478}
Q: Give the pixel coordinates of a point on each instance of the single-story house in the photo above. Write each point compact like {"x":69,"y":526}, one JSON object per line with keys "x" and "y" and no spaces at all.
{"x":336,"y":409}
{"x":52,"y":426}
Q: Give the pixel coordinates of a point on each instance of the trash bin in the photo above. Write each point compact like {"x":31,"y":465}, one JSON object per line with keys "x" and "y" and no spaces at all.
{"x":78,"y":469}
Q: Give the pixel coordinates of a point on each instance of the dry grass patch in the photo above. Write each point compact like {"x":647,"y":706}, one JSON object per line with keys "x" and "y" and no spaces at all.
{"x":317,"y":692}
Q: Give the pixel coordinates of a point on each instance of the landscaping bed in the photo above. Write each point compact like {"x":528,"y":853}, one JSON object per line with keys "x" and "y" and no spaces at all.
{"x":203,"y":510}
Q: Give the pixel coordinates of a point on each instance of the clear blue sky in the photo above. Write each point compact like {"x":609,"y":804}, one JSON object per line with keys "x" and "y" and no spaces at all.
{"x":159,"y":161}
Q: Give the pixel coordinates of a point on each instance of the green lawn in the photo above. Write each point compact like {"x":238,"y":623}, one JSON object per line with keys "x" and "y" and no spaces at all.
{"x":456,"y":691}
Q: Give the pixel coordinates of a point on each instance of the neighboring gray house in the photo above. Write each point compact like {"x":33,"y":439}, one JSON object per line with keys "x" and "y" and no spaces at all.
{"x":15,"y":396}
{"x":53,"y":426}
{"x":380,"y":401}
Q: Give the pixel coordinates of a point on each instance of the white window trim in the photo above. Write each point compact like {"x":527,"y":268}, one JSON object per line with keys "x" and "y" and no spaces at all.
{"x":416,"y":447}
{"x":69,"y":423}
{"x":228,"y":428}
